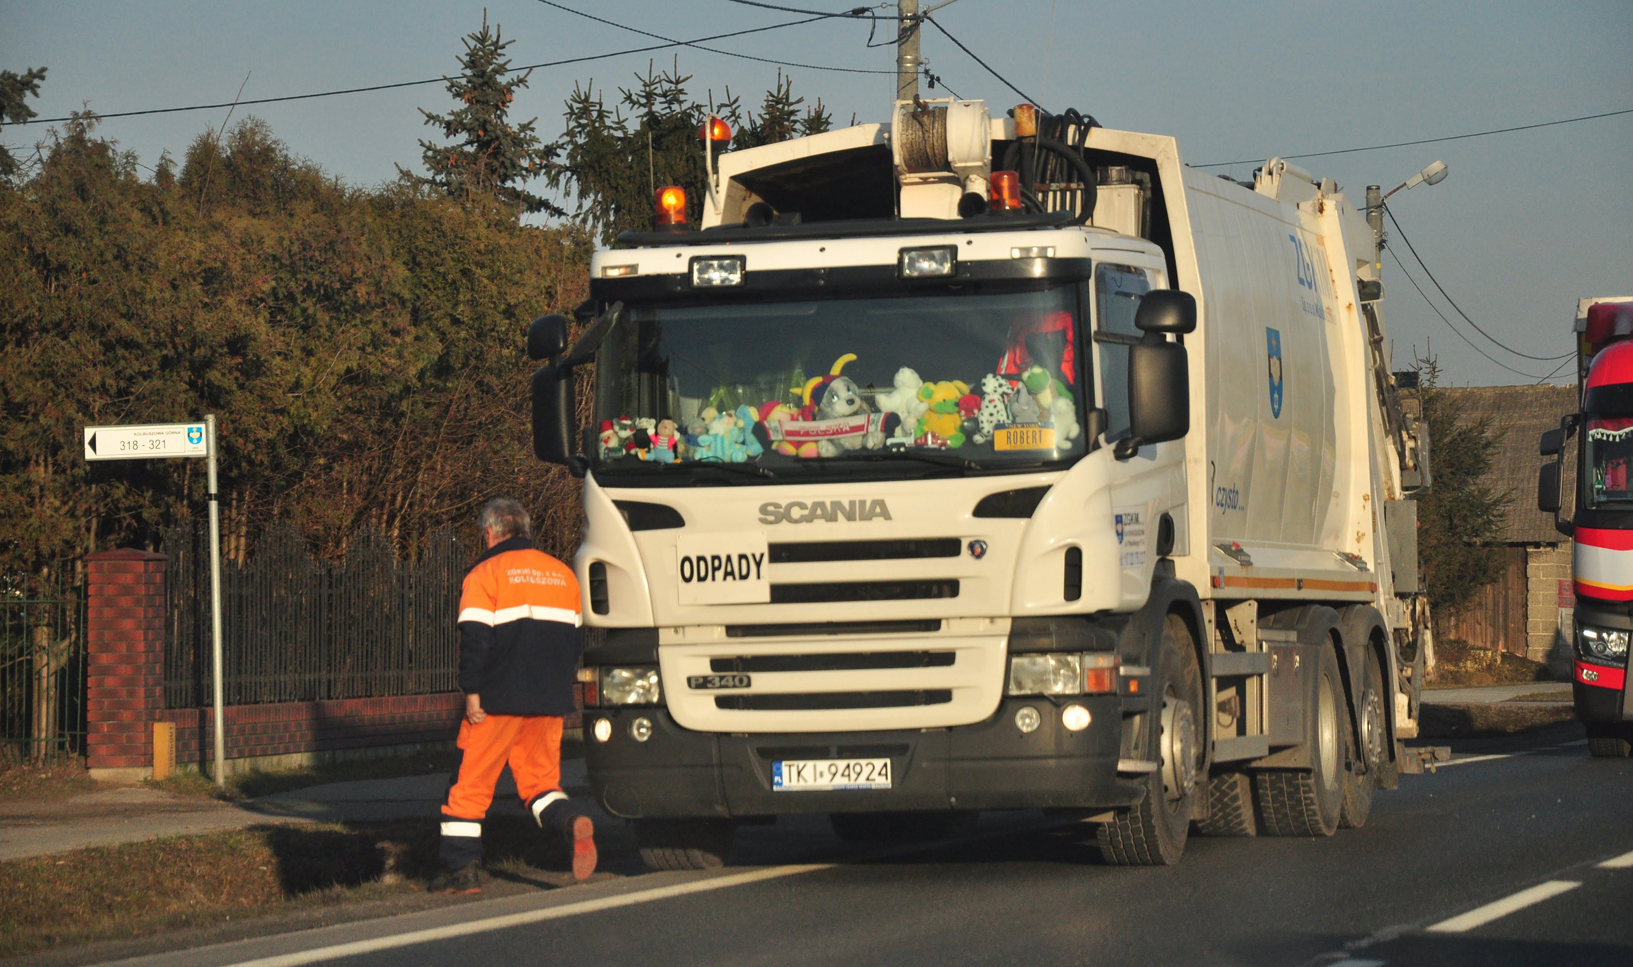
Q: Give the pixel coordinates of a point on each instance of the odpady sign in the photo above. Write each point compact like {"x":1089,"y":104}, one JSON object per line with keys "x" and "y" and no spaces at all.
{"x":720,"y":567}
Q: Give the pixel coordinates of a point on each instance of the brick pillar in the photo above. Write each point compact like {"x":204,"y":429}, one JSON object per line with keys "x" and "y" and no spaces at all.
{"x":124,"y":645}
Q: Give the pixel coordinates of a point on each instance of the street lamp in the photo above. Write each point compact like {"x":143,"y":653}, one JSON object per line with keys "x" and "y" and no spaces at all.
{"x":1432,"y":175}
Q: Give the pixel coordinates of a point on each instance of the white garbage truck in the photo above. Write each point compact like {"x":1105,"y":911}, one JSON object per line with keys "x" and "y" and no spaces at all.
{"x":965,"y":463}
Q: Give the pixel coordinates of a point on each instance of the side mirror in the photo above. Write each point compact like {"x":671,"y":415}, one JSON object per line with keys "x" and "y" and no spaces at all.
{"x":547,"y":336}
{"x":1159,"y":392}
{"x":1166,"y":311}
{"x":1548,"y":487}
{"x":1552,"y":442}
{"x":553,"y":413}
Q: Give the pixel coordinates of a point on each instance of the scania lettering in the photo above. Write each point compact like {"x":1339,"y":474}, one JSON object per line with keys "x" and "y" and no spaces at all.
{"x":1079,"y":477}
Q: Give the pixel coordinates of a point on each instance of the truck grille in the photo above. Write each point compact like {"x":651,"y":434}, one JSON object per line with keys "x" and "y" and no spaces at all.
{"x":821,"y":701}
{"x":831,"y":591}
{"x":807,"y":552}
{"x":808,"y":629}
{"x":840,"y":662}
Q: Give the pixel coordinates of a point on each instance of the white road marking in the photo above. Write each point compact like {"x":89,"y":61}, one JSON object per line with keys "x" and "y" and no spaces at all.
{"x":1478,"y":758}
{"x":1480,"y":916}
{"x":1352,"y":962}
{"x":1621,"y":862}
{"x":1567,"y":745}
{"x":452,"y":930}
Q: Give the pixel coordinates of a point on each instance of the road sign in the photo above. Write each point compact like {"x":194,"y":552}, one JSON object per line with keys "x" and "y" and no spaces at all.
{"x":158,"y":441}
{"x":147,"y":442}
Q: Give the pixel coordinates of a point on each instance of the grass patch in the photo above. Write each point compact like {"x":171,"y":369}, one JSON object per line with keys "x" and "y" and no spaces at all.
{"x":21,"y":782}
{"x":1462,"y":721}
{"x":142,"y":889}
{"x":1461,"y":665}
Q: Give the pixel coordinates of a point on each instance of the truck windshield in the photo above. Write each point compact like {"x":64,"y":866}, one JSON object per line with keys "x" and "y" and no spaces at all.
{"x":1608,"y":450}
{"x":990,"y":378}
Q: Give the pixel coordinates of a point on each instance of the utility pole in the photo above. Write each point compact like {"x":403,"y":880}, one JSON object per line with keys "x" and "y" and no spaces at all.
{"x":908,"y":63}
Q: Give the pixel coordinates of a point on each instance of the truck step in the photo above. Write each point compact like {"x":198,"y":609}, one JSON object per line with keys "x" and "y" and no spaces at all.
{"x":1230,"y":663}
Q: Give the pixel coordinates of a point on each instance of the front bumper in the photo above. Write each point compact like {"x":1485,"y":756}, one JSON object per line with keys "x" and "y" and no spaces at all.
{"x":1600,"y":689}
{"x":988,"y":765}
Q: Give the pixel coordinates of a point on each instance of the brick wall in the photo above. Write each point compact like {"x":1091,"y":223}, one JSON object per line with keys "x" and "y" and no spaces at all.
{"x":124,"y":642}
{"x":1547,"y":570}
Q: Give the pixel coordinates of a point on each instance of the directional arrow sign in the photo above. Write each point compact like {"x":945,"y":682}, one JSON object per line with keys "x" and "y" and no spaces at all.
{"x":152,"y":441}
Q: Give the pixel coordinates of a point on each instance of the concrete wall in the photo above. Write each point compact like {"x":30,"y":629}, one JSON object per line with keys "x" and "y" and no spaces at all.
{"x":1549,"y":601}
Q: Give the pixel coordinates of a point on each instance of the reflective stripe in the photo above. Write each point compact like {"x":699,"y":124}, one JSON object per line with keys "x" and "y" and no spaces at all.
{"x":481,"y":616}
{"x":544,"y":801}
{"x":462,"y":829}
{"x":534,"y":611}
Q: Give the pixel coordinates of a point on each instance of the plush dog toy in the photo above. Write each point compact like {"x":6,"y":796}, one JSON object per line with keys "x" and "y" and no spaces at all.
{"x":834,"y":397}
{"x":995,"y":393}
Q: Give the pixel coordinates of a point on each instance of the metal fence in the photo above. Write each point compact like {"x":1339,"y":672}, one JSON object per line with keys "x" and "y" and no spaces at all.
{"x":295,"y":628}
{"x":42,"y":675}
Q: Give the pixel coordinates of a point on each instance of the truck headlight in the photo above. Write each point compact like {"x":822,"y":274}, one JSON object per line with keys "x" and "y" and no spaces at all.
{"x":630,"y":686}
{"x":1062,"y":673}
{"x":1605,"y":644}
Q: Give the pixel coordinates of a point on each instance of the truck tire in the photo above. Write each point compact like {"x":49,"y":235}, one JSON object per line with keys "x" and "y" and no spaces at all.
{"x":1153,"y":833}
{"x":1298,"y":802}
{"x":914,"y":827}
{"x":684,"y":844}
{"x":1230,"y":806}
{"x":1368,"y":746}
{"x":1610,"y":741}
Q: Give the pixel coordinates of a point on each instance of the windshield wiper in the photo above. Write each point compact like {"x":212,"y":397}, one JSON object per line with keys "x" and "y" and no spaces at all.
{"x":741,"y":469}
{"x":932,"y":457}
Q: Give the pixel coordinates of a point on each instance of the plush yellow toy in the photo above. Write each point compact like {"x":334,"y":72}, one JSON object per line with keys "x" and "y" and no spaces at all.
{"x":943,"y":418}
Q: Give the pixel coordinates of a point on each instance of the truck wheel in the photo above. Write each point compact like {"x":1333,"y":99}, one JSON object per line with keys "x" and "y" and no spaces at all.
{"x":916,"y":827}
{"x":684,"y":844}
{"x":1153,"y":833}
{"x":1610,"y":741}
{"x":1308,"y":803}
{"x":1230,"y":806}
{"x":1368,"y":746}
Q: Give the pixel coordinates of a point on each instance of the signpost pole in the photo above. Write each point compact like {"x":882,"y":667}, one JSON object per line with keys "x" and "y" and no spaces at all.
{"x":215,"y":610}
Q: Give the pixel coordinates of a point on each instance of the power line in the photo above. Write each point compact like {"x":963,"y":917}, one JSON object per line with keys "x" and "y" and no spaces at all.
{"x":937,"y":24}
{"x":429,"y":80}
{"x":716,"y":50}
{"x":1448,"y":322}
{"x":1451,"y":137}
{"x":855,"y":12}
{"x":1551,"y":375}
{"x":1497,"y":342}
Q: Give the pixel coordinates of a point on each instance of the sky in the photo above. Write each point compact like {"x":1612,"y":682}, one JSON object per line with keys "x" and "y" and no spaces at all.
{"x":1525,"y":224}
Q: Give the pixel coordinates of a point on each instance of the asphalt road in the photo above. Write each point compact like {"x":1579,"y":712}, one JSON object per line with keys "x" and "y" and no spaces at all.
{"x":1507,"y":856}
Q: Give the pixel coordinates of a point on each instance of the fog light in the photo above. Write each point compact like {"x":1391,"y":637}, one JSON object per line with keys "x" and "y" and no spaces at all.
{"x":1075,"y":718}
{"x":641,"y":729}
{"x":1028,"y":720}
{"x":603,"y":730}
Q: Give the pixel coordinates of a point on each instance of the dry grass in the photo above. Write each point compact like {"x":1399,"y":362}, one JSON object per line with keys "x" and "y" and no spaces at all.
{"x":1462,"y":721}
{"x":142,"y":889}
{"x":1461,"y":665}
{"x":257,"y":782}
{"x":36,"y":783}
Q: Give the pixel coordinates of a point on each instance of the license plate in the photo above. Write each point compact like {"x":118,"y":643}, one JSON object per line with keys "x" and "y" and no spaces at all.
{"x":808,"y":775}
{"x":711,"y":682}
{"x":1024,"y":437}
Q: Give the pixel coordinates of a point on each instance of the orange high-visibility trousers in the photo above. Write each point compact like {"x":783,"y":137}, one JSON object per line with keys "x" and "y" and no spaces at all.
{"x":530,"y":745}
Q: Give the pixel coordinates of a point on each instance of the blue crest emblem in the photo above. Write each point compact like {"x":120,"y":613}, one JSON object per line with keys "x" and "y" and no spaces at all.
{"x":195,"y":435}
{"x":1272,"y":339}
{"x":1119,"y":520}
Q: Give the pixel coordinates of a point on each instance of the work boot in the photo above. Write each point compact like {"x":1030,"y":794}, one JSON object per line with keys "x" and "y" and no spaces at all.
{"x":553,"y":811}
{"x":466,"y":881}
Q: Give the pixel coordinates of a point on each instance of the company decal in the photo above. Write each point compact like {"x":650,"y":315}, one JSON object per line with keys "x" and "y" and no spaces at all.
{"x":1272,"y":342}
{"x":829,"y":511}
{"x":1129,"y":523}
{"x":1305,"y":268}
{"x":1228,"y":498}
{"x":195,"y":435}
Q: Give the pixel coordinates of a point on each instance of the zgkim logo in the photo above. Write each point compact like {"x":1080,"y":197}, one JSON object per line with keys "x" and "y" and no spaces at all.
{"x":1272,"y":340}
{"x":195,"y":435}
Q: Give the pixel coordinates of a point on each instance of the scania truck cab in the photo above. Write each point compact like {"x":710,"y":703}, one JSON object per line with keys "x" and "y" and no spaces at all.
{"x":964,"y":463}
{"x":1601,"y":527}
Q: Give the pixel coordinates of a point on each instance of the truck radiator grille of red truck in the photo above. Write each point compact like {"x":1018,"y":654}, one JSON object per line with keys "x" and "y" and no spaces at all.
{"x":819,"y":701}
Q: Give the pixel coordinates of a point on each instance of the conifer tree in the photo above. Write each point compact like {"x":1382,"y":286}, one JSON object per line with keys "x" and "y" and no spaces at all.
{"x":490,"y":156}
{"x":15,"y":89}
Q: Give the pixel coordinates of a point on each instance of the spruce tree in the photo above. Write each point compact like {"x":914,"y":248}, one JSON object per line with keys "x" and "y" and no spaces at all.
{"x":490,"y":156}
{"x":15,"y":89}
